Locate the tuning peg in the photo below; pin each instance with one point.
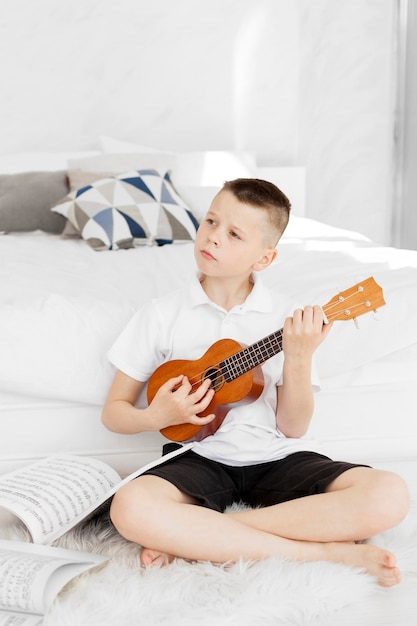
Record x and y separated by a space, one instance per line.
355 321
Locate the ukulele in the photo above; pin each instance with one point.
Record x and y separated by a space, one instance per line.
235 369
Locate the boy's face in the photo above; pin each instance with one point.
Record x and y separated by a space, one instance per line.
231 239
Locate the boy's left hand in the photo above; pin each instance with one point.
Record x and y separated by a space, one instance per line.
304 332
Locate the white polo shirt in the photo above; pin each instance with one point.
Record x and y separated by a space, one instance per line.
183 325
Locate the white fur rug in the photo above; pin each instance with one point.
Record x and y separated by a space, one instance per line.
271 592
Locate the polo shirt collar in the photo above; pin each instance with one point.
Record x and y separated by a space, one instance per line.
259 298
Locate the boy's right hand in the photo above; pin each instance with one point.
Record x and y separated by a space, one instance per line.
176 402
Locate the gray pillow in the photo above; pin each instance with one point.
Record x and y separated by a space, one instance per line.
26 200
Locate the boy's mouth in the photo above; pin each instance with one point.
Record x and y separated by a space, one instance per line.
206 254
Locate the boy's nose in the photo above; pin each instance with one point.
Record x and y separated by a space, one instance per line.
214 239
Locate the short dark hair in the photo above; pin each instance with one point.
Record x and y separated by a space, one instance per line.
266 195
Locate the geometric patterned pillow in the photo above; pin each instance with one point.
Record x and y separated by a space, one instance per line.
119 211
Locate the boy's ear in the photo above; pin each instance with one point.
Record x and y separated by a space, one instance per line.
269 256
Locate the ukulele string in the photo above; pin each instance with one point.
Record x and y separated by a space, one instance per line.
340 305
198 378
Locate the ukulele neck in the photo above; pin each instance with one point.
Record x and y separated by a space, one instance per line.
348 304
252 356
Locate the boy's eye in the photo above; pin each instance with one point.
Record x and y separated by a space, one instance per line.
233 234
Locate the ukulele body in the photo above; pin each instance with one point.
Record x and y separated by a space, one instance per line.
245 388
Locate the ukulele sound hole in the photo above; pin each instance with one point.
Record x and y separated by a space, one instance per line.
216 377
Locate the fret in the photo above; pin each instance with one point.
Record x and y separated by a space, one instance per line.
251 356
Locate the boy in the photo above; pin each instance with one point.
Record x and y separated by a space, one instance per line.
308 506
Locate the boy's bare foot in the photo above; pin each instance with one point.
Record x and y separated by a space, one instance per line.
374 560
154 558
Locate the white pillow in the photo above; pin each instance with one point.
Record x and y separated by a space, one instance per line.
204 167
198 198
212 168
188 168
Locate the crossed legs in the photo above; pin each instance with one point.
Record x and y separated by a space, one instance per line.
358 504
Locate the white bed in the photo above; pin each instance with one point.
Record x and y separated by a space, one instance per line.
63 303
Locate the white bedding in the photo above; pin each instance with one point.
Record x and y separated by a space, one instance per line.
62 305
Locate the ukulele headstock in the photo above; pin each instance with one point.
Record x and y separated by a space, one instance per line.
362 298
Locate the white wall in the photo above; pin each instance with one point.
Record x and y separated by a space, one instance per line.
299 82
347 91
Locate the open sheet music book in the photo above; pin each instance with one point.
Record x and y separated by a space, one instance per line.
50 497
54 494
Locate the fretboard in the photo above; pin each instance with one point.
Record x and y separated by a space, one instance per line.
251 356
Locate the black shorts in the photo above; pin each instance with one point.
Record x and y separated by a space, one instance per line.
217 486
